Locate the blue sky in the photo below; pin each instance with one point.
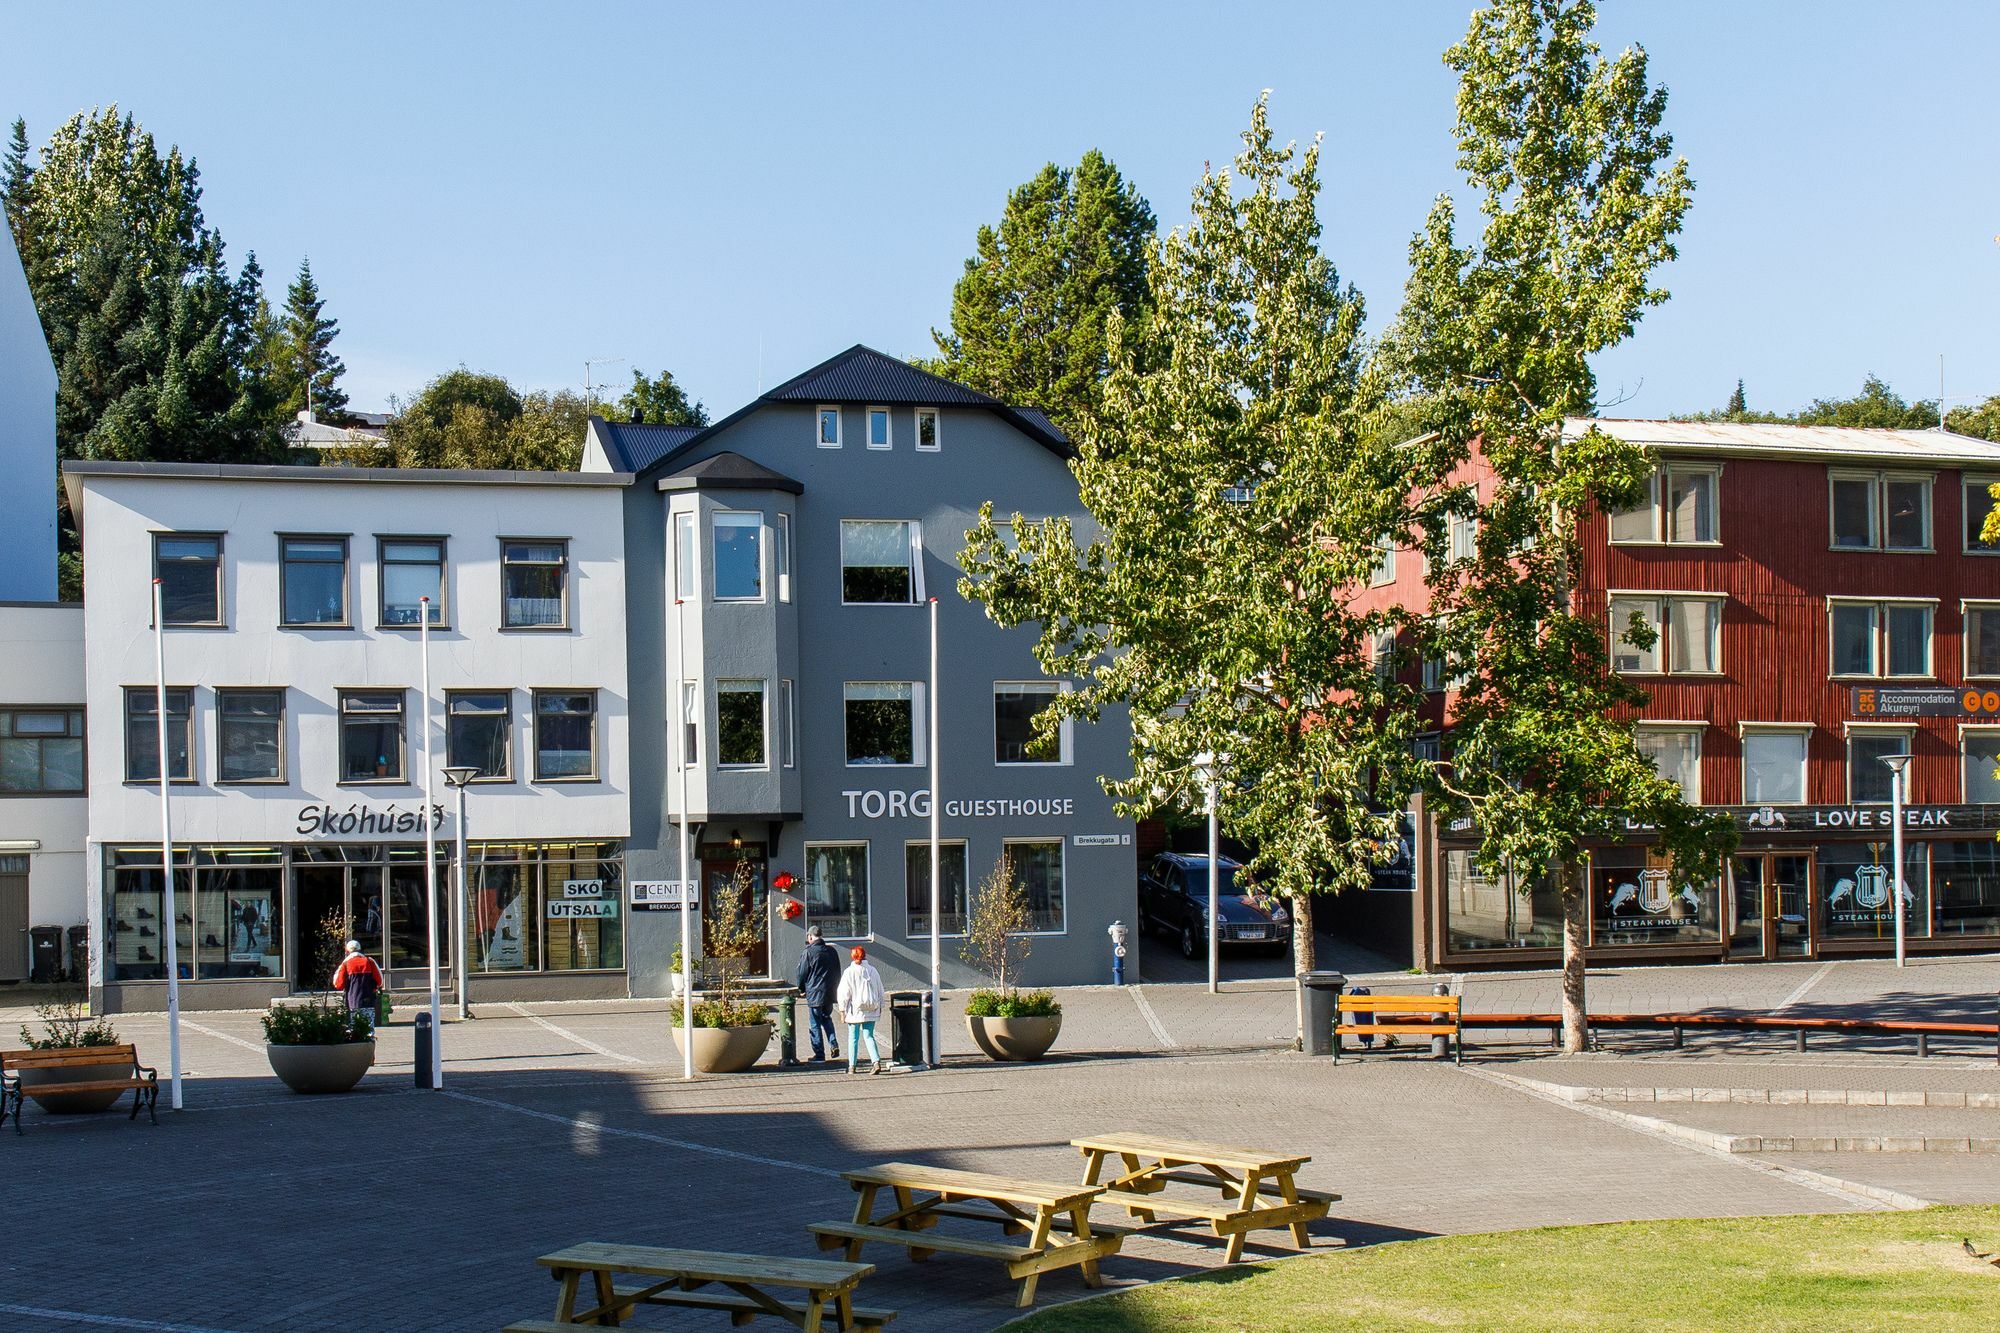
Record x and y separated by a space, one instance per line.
737 191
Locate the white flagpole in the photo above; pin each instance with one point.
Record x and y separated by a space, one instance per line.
430 854
930 1026
170 925
687 891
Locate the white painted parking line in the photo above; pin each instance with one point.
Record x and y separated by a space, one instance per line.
1152 1019
1804 986
575 1040
193 1026
107 1320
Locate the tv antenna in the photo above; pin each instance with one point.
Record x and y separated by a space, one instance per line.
590 389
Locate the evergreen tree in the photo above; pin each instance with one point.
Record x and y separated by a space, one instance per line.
308 373
16 174
1031 316
1738 404
660 401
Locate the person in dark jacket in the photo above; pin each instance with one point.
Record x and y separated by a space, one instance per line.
818 976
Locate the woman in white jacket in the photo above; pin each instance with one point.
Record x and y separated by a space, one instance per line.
860 999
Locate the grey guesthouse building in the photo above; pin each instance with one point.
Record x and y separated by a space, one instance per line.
779 565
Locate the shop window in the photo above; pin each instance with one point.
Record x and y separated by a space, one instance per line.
372 728
312 577
1880 511
1676 754
781 555
583 887
565 735
1636 899
41 751
837 889
534 584
412 568
409 914
1854 894
739 724
189 568
685 574
226 918
1015 708
1774 767
1680 508
142 735
1485 910
1982 639
930 432
1038 865
951 888
1980 748
1978 504
1880 639
829 427
884 722
880 562
879 430
1965 887
1869 779
503 912
479 733
1686 633
250 735
737 550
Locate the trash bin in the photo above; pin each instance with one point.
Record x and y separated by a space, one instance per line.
45 955
1319 1005
79 953
909 1010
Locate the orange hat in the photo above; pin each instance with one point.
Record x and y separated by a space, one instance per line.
858 954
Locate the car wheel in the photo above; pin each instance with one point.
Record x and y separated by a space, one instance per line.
1189 950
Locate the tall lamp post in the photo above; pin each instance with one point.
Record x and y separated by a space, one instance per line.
424 607
456 776
1899 765
1205 765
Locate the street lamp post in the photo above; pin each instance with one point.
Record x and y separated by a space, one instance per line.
1205 765
1899 765
424 606
456 776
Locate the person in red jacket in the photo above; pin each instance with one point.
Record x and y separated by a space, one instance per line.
358 978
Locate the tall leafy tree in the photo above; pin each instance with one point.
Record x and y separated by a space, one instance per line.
1580 198
1237 487
1032 313
659 400
468 419
307 371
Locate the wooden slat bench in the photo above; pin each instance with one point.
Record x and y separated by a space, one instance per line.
1799 1025
676 1274
84 1069
1401 1015
1245 1176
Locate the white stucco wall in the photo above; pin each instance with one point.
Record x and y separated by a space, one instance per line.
27 441
42 648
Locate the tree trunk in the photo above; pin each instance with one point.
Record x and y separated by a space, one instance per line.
1303 959
1575 923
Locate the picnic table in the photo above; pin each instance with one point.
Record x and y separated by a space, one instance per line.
673 1277
1054 1217
1248 1179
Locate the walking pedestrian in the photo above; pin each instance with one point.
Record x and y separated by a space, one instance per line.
818 977
358 979
860 1001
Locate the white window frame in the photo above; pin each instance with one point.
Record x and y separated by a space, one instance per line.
1879 658
868 880
919 727
1854 729
715 527
781 555
1967 538
1878 509
888 429
972 888
917 429
1384 571
1382 653
1965 609
1659 489
687 556
1803 730
788 722
1461 536
1662 649
915 528
763 693
1673 728
819 422
1052 688
1967 730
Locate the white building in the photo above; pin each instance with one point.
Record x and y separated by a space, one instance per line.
292 610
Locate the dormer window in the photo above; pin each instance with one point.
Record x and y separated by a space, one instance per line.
829 427
930 435
879 432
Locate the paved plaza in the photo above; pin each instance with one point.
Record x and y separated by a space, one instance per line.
399 1209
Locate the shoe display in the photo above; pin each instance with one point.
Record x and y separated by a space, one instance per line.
145 932
122 924
144 915
185 919
211 942
145 954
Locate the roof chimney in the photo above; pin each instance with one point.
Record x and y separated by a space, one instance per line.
638 416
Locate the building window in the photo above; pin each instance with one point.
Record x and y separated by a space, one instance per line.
690 721
1015 707
737 548
1880 511
535 584
371 735
879 562
684 570
1872 639
1774 766
930 435
884 722
1869 780
1382 653
1687 634
41 751
189 568
1038 866
1428 747
412 569
879 436
250 735
1978 504
565 735
837 889
829 427
479 733
1680 508
142 735
1676 754
788 725
1383 573
951 888
1461 536
1434 675
781 555
739 724
312 574
1982 638
1980 747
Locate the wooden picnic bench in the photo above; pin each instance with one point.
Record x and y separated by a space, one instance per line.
924 1194
674 1277
80 1069
1399 1015
1245 1176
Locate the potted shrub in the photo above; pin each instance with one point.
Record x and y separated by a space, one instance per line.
318 1046
677 979
730 1031
1005 1021
67 1024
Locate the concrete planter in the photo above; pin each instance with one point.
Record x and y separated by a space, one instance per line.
1014 1038
71 1103
316 1069
726 1050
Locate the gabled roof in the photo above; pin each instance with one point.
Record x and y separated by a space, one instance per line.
728 471
1725 439
636 446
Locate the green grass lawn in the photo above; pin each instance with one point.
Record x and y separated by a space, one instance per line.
1845 1271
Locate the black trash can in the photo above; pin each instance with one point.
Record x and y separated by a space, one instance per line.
79 953
1319 1003
909 1010
45 955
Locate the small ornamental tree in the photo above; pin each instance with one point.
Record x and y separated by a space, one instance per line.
997 943
733 924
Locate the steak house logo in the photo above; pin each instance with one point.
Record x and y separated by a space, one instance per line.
1653 894
324 821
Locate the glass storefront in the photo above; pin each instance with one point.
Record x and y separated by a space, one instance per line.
1635 900
1485 911
1965 888
228 913
1851 884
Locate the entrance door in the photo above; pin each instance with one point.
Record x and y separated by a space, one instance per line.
1771 894
14 961
718 878
320 909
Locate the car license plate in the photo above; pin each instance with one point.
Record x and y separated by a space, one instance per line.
1250 933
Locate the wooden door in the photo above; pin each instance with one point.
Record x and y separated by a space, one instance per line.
719 877
13 927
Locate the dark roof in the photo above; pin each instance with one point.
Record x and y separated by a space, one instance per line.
863 375
729 472
637 446
1039 420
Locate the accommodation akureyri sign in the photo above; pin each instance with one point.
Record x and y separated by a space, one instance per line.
917 805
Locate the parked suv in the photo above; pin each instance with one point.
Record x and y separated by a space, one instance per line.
1173 897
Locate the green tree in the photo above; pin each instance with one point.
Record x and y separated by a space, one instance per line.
306 369
1980 420
1031 316
660 401
1238 489
1739 406
467 419
16 173
1876 406
1565 152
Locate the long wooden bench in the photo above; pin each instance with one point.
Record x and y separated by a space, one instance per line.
1799 1025
82 1069
1412 1015
1245 1177
673 1276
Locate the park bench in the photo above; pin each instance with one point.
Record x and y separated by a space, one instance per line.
922 1195
78 1069
674 1278
1244 1176
1924 1030
1399 1015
